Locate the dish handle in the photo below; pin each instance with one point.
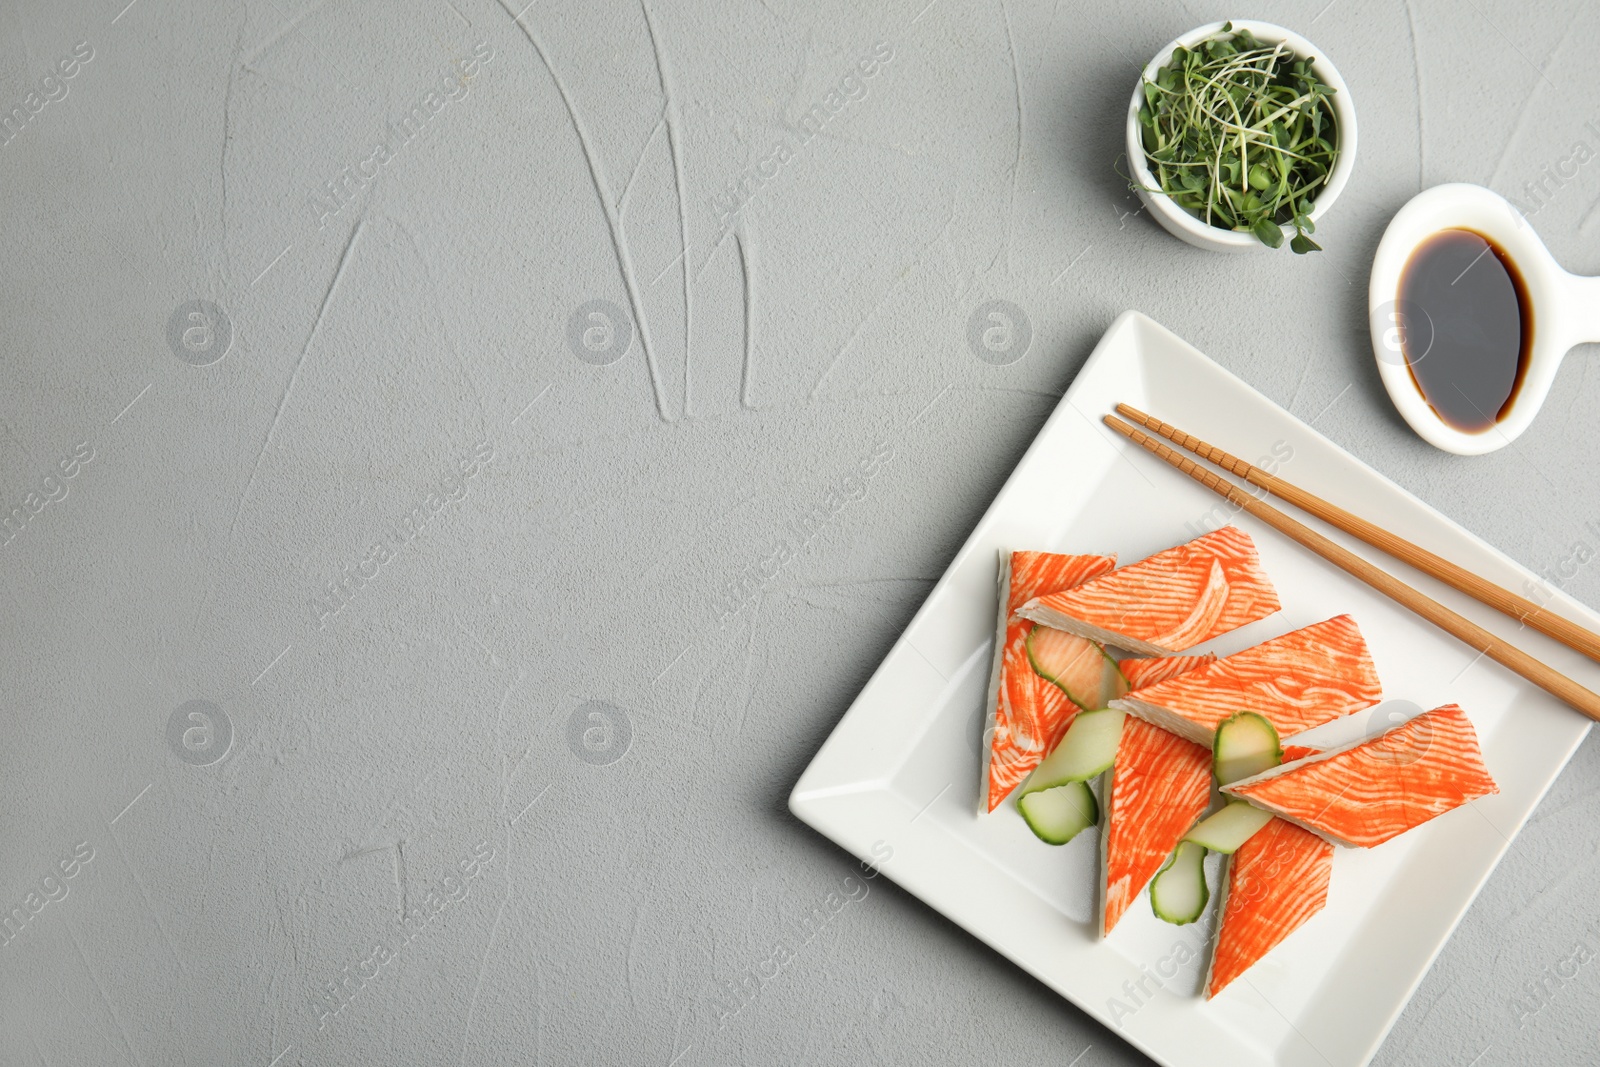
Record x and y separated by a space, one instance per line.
1583 307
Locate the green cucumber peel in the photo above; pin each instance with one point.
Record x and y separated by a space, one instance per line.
1088 749
1058 815
1043 645
1116 683
1230 826
1178 892
1246 744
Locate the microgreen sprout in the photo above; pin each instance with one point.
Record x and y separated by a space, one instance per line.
1241 134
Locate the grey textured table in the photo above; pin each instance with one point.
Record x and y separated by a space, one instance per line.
358 388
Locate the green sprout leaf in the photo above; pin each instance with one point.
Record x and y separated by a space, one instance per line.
1268 233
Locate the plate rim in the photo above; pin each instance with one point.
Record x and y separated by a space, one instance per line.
815 795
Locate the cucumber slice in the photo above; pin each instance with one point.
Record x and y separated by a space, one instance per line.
1089 747
1057 815
1113 683
1229 827
1246 744
1178 893
1052 653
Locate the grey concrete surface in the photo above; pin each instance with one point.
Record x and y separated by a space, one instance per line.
449 552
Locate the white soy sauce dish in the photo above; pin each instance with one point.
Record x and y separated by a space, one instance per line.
1471 317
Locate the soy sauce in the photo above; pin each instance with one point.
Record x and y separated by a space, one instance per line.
1469 327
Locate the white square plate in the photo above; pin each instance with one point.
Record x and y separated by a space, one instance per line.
900 772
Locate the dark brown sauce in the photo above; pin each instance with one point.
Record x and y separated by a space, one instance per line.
1469 327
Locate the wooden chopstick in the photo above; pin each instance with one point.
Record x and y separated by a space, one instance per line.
1508 656
1457 577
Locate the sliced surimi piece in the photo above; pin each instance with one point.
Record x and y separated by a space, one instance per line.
1167 602
1027 714
1366 793
1142 672
1302 679
1159 786
1275 882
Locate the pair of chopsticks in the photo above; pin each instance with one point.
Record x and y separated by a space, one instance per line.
1520 608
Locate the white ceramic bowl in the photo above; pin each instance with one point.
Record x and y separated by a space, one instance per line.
1566 309
1197 232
